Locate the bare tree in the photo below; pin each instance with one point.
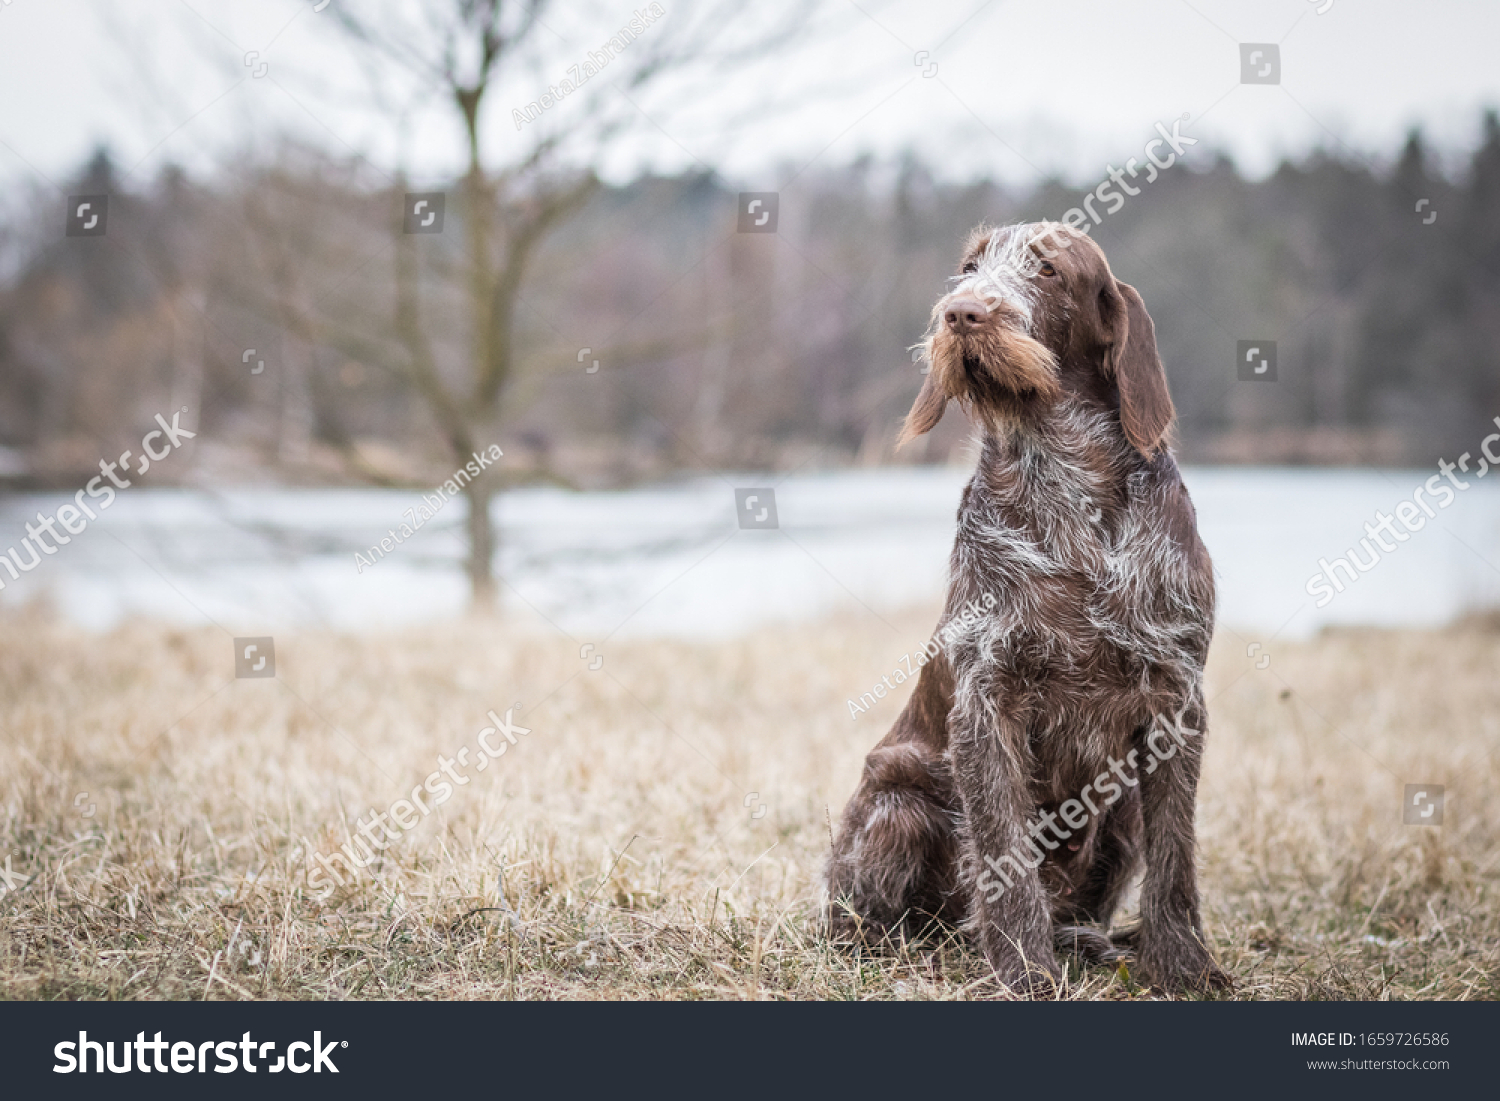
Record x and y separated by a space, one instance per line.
461 51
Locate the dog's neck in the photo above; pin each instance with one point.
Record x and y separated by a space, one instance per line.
1067 433
1071 459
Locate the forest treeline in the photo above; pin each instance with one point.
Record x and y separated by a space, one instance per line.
275 301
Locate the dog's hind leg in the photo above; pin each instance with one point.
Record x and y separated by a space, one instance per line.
893 861
1087 943
1117 857
893 865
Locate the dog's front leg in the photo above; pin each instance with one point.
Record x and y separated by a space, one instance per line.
1009 911
1173 952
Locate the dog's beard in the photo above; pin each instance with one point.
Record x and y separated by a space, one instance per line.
998 374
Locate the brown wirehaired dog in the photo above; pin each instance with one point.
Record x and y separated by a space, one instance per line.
1055 738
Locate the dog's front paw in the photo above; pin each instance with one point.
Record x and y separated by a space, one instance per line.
1030 973
1215 979
1191 972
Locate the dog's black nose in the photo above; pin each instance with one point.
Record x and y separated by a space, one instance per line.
964 314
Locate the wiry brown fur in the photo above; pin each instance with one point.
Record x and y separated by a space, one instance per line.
1077 524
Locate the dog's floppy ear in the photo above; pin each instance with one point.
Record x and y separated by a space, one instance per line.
1131 358
926 411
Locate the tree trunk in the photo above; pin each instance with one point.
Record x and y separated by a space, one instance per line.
482 545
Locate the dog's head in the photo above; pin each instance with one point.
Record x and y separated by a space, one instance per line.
1034 317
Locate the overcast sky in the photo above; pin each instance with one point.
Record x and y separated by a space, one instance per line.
1010 88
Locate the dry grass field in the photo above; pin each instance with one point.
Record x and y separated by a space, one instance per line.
659 832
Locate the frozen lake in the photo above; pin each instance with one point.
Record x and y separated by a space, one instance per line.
672 560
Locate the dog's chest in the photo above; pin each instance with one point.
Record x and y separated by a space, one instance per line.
1086 576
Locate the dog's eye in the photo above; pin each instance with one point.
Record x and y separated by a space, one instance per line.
970 267
1047 268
